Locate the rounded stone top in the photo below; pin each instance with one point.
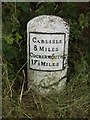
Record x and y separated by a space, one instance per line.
48 24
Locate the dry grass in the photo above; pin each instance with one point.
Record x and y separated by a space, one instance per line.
73 102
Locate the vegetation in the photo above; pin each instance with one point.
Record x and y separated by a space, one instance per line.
73 102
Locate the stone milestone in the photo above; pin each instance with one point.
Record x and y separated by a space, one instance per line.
47 52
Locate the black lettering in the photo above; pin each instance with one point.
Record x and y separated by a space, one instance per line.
35 47
47 41
50 41
34 39
49 57
56 49
57 64
56 41
49 49
38 41
39 56
45 56
41 48
53 49
60 41
31 54
50 64
46 64
53 41
53 64
32 61
38 62
42 41
42 63
45 49
35 61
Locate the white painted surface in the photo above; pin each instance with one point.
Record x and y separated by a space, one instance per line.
46 51
47 36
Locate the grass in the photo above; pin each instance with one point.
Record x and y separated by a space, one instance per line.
73 102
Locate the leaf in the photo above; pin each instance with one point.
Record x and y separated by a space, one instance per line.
9 51
9 39
84 20
81 20
18 37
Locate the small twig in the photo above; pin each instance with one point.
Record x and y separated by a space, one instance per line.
34 98
41 104
27 91
9 112
7 80
55 8
28 116
16 77
20 99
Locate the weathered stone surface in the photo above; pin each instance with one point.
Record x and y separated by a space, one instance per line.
47 52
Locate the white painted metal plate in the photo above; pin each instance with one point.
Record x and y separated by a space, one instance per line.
46 51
